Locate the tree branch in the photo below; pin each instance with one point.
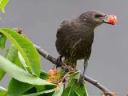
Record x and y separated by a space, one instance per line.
47 56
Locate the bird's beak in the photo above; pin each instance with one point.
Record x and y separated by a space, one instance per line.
110 19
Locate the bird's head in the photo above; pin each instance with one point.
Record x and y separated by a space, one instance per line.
95 18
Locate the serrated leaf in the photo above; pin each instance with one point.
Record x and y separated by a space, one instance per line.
3 4
26 48
59 90
17 88
20 74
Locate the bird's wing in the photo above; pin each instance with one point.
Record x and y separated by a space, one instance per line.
66 37
75 47
64 29
67 28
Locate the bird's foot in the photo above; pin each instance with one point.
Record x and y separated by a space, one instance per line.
82 75
59 61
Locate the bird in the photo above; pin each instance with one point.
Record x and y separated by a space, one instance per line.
74 38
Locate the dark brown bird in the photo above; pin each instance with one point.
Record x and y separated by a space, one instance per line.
75 37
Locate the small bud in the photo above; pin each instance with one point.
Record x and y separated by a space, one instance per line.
52 72
54 75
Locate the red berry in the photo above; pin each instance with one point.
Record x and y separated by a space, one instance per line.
112 19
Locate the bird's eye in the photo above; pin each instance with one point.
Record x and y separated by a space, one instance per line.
98 16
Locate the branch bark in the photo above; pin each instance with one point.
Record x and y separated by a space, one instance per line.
47 56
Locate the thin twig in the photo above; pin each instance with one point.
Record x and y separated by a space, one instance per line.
105 90
47 56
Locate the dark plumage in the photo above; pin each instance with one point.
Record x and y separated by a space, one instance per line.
75 37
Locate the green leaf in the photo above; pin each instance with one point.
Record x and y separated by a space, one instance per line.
16 88
80 88
41 93
3 91
69 90
3 4
2 73
20 74
21 59
10 55
2 88
44 75
75 87
46 87
2 41
26 48
30 91
59 90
